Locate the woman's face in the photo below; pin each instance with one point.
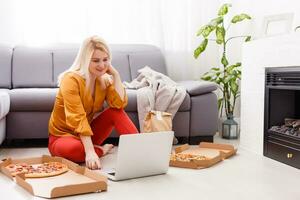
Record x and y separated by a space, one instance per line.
99 63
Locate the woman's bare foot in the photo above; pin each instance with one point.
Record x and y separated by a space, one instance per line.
105 148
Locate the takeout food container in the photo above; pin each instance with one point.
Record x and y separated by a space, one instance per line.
77 180
213 153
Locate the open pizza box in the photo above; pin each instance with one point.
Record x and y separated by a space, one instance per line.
77 180
213 153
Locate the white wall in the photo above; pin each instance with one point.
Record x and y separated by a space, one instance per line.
196 13
258 10
7 33
200 13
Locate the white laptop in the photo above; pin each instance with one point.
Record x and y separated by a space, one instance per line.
143 154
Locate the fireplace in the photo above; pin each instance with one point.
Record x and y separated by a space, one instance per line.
282 115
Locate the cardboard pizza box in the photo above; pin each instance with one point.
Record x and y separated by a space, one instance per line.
227 150
213 152
77 180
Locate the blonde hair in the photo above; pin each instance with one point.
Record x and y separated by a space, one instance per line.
84 55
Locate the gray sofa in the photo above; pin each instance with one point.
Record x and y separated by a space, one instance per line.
29 76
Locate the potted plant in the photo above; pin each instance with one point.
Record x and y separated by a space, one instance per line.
227 76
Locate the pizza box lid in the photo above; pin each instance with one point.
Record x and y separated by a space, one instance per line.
227 150
78 180
214 152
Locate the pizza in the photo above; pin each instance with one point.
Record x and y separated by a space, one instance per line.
184 157
37 170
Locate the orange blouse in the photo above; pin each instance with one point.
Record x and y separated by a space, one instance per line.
75 107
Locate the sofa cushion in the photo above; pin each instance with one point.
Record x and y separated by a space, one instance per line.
32 99
42 99
62 60
121 63
5 66
195 88
132 102
32 67
153 59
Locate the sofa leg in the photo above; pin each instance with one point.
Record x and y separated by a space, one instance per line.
195 140
6 143
182 140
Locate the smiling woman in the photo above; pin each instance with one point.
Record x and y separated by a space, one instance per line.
74 133
99 63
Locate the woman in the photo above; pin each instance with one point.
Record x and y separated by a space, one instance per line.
74 131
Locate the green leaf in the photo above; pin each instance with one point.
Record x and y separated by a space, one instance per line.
219 80
248 38
205 30
215 22
206 73
220 103
199 32
200 48
239 18
226 80
206 78
215 69
230 68
220 33
224 60
234 87
224 9
233 67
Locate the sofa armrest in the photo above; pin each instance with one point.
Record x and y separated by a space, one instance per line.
195 88
4 104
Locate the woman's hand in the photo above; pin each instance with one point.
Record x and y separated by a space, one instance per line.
106 80
111 70
92 160
116 81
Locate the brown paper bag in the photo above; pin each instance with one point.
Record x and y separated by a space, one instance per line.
157 121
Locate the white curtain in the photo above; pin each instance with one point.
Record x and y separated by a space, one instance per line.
169 24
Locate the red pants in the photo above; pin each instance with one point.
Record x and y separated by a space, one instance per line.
72 148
